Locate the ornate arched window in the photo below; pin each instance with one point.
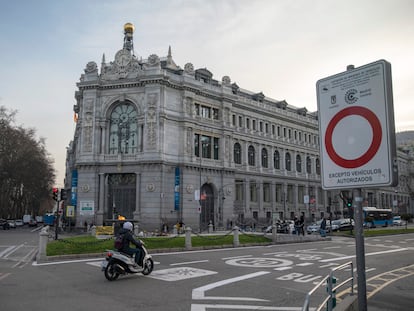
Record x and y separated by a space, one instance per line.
124 133
276 160
308 165
288 162
298 163
237 153
264 158
251 156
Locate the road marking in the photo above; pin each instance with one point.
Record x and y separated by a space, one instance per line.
199 292
282 268
3 276
305 264
178 274
237 257
10 248
368 254
187 263
259 262
201 307
35 263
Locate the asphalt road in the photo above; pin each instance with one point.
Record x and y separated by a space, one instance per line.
275 277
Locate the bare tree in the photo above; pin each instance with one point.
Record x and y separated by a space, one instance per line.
26 169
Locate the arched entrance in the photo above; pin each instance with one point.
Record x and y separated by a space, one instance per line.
121 195
207 207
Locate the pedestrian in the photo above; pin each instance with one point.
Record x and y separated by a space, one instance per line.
302 225
322 229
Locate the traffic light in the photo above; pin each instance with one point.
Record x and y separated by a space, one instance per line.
55 192
350 208
63 195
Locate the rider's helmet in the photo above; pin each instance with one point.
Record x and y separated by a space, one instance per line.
128 226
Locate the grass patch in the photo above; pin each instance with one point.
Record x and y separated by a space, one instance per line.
90 244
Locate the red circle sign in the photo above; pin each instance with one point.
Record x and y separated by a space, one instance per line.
376 137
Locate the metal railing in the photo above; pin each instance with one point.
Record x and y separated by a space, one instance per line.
330 283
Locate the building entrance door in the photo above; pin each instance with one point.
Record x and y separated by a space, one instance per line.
207 207
121 195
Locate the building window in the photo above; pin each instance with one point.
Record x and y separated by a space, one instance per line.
301 194
251 156
208 145
215 114
278 193
248 123
288 162
264 158
278 131
253 192
298 164
233 120
124 132
240 121
206 112
318 167
276 160
273 129
254 125
239 186
261 126
237 153
290 196
308 165
266 192
266 128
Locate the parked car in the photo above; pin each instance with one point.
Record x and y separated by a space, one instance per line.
397 221
12 223
19 223
313 228
343 224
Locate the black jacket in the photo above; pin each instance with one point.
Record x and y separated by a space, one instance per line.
128 238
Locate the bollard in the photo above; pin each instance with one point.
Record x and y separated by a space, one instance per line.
210 227
43 238
236 241
188 244
93 230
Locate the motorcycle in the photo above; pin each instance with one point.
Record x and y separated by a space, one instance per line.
117 263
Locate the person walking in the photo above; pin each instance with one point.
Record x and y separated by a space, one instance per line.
322 229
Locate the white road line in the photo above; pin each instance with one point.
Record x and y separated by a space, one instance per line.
186 263
3 276
7 250
199 293
368 254
282 268
236 257
305 264
200 307
35 263
15 249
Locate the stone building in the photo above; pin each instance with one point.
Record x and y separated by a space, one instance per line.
159 144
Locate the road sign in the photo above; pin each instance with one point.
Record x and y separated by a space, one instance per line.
356 127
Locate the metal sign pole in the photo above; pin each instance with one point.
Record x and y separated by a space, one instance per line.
360 249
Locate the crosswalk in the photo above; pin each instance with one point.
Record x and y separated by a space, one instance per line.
19 255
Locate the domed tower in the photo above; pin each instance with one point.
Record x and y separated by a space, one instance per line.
128 37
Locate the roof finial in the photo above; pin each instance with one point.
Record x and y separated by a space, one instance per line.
128 37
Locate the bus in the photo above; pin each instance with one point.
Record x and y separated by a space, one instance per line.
374 217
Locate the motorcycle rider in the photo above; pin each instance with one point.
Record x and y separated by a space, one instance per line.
128 238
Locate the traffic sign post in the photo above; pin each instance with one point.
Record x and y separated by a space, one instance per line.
356 127
357 147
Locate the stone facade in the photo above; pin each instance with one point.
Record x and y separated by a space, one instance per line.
159 144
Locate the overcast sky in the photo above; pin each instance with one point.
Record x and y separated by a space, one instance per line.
278 47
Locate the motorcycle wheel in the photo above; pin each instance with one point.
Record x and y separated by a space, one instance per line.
110 272
148 266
